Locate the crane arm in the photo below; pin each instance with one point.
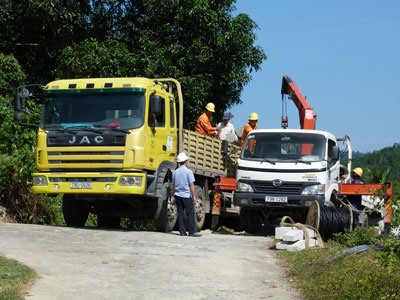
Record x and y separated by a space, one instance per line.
306 112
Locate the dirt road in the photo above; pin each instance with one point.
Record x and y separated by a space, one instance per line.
115 264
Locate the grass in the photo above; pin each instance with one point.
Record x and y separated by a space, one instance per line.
15 279
355 276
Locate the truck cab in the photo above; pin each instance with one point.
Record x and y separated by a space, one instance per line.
108 145
281 172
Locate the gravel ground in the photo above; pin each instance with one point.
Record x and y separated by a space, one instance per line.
80 263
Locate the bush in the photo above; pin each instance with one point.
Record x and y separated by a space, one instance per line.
17 152
353 276
359 236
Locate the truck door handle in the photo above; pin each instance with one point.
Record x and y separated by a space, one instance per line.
164 148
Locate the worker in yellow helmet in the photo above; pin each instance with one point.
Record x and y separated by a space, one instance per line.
356 200
204 122
251 125
356 175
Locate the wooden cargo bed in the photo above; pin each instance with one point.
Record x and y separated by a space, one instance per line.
206 157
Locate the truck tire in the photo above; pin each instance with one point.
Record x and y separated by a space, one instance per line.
249 220
75 211
199 209
166 212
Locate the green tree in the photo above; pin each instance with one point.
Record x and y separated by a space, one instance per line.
386 158
93 58
199 42
17 150
377 175
35 31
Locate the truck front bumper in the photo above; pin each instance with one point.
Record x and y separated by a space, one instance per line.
258 200
89 183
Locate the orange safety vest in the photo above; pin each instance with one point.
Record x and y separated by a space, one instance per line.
204 125
246 129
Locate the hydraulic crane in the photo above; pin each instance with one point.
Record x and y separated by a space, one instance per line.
306 112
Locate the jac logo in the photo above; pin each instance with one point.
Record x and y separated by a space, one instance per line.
85 140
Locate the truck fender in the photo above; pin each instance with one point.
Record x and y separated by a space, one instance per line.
332 191
162 174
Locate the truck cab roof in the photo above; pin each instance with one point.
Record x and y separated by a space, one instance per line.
99 83
300 131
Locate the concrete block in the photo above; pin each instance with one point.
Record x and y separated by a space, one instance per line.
311 233
300 245
282 245
293 235
297 234
280 231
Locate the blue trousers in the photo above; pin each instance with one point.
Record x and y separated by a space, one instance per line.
356 202
185 204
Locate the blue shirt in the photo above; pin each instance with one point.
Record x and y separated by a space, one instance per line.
181 179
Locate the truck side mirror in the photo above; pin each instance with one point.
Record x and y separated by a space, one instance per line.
155 105
24 93
335 153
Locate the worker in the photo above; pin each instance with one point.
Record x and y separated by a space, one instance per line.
251 125
204 122
355 200
184 194
227 130
356 175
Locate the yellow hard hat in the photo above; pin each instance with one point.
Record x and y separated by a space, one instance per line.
358 171
253 116
210 107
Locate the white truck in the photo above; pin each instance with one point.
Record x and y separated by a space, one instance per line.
282 172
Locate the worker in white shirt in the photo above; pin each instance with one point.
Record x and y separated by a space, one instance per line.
227 129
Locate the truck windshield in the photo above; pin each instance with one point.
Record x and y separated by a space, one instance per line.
97 110
284 147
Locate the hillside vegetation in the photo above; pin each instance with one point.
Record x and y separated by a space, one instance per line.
386 158
381 165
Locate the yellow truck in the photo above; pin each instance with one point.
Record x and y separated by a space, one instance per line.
109 146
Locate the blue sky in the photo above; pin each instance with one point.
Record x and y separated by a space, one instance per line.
343 55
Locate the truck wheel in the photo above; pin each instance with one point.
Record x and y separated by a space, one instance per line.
250 221
75 211
166 212
199 209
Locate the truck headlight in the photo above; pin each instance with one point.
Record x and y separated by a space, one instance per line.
130 181
39 180
318 189
244 187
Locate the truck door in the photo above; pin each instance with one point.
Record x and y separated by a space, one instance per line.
333 166
161 142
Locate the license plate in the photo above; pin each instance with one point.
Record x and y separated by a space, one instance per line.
275 199
81 185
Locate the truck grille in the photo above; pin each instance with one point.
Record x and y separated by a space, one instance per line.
80 179
85 159
286 188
